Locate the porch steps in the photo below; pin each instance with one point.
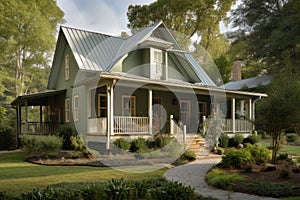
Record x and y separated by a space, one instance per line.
98 146
195 144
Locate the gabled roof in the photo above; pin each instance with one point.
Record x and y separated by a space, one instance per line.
99 52
248 83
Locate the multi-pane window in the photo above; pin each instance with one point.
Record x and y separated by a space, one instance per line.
185 111
76 108
157 70
67 110
128 106
67 67
102 105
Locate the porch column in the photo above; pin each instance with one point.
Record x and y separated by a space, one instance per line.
41 113
26 116
112 110
250 109
108 117
253 115
233 114
150 109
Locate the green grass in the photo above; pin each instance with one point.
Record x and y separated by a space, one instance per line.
18 176
289 149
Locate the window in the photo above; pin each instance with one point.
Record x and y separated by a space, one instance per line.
76 108
67 110
67 67
157 67
185 111
202 110
128 105
102 105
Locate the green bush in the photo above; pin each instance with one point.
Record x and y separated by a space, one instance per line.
162 140
291 137
118 189
7 138
252 139
41 146
122 144
238 139
236 157
78 145
224 140
220 179
296 169
284 173
260 154
138 145
188 155
271 189
66 132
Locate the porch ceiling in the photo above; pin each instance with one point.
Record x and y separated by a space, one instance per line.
37 98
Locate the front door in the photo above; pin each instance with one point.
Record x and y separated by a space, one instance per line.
156 118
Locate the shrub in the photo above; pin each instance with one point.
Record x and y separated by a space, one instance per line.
43 146
296 169
138 145
188 155
66 132
78 145
271 189
122 144
238 139
261 155
284 173
224 140
162 140
7 138
219 150
117 189
236 157
220 179
231 142
252 139
291 137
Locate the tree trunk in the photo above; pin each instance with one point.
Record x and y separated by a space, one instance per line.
275 145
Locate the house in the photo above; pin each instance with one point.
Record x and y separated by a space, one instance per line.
109 87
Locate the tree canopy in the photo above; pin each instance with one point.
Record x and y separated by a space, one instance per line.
27 39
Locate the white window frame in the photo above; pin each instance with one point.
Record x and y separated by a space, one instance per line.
100 107
76 108
132 110
186 113
67 67
157 70
67 110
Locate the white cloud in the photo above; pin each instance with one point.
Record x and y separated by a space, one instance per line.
105 16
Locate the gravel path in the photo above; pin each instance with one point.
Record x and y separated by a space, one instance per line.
193 174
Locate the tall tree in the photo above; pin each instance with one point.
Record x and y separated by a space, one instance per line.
27 39
270 29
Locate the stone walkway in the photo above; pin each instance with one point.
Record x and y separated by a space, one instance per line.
193 174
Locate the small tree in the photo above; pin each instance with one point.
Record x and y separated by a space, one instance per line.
280 110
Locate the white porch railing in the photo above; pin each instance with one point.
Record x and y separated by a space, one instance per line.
241 126
98 126
177 131
131 125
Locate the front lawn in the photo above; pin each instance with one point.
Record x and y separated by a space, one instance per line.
18 176
289 149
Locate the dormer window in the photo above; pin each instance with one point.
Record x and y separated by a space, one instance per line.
158 64
67 67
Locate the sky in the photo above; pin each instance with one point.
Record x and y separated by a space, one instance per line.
104 16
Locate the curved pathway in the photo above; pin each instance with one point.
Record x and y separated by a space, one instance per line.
193 174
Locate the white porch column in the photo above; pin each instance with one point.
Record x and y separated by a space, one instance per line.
150 110
233 114
108 116
250 110
26 117
112 110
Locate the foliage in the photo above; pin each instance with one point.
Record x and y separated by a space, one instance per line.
238 139
261 155
271 189
284 173
224 65
66 132
7 138
115 190
279 111
162 140
138 145
224 139
252 139
220 179
219 150
188 155
78 145
27 32
236 157
292 137
122 144
43 146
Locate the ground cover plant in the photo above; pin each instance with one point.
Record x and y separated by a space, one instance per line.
18 176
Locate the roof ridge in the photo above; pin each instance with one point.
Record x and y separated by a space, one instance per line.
89 31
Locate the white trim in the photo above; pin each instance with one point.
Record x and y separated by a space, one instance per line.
76 108
67 109
99 107
67 67
131 109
